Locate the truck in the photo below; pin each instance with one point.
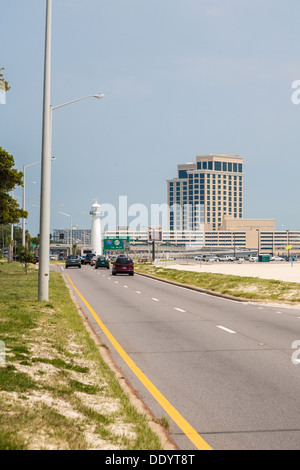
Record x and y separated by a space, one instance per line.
227 258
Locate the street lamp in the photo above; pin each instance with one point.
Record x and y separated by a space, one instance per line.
98 96
23 196
71 228
24 181
43 290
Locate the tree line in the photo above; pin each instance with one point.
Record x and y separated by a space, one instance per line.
10 211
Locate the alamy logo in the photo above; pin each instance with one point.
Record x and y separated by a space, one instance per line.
2 353
296 354
296 94
2 92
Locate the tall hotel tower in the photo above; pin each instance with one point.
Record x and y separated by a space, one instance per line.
208 190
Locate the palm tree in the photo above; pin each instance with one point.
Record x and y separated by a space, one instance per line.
27 239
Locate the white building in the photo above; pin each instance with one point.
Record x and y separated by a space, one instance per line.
96 235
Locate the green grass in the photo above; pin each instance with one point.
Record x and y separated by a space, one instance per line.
242 287
55 388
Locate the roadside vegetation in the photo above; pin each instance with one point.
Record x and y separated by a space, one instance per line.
56 390
242 287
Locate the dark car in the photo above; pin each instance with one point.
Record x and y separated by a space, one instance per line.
123 265
36 259
88 258
73 260
102 262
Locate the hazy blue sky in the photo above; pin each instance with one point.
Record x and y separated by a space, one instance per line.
181 78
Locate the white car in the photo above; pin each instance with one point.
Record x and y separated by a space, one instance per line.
277 258
252 259
93 260
212 259
226 258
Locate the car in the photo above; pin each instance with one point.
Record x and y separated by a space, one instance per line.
73 260
277 258
123 265
198 258
252 259
102 262
36 259
212 259
88 258
227 258
93 260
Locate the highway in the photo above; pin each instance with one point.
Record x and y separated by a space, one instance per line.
225 366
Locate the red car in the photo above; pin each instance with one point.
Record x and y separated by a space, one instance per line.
123 265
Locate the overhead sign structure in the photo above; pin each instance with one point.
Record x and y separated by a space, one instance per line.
2 92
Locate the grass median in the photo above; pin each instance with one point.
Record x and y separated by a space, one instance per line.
248 288
56 390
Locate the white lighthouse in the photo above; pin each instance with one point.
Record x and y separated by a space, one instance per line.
96 235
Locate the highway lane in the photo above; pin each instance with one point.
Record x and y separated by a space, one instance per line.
225 366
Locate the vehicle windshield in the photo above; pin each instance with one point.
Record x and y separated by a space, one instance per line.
124 260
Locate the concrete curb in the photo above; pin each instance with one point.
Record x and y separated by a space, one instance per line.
198 289
218 294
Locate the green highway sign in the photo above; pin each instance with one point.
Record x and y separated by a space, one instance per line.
116 243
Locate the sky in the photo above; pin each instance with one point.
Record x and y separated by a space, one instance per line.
181 78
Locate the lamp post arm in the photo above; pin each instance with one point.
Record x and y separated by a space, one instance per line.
31 164
100 96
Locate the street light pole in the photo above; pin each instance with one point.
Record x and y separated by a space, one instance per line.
23 197
71 229
43 289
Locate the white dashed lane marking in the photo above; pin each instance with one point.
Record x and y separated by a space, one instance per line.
226 329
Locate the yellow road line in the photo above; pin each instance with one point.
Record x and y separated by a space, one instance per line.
188 430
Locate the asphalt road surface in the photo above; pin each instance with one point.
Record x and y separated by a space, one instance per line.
225 366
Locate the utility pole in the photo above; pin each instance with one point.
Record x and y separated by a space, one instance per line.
153 251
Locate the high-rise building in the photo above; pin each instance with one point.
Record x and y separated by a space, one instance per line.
206 191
